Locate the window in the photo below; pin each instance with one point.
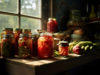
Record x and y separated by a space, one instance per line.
25 14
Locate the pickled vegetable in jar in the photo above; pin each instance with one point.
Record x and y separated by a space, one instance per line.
23 46
63 48
16 37
7 46
45 46
52 25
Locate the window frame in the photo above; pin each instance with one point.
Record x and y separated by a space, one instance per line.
19 15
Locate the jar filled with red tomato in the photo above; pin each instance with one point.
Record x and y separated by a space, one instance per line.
16 37
23 46
7 46
52 25
45 46
63 48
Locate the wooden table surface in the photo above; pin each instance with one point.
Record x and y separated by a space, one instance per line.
48 66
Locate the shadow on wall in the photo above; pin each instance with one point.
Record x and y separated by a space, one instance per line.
61 10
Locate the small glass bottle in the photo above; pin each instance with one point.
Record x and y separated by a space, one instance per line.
63 48
23 46
92 15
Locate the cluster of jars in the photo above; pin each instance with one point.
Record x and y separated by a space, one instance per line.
23 44
18 43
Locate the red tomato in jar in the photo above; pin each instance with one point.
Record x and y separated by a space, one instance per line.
52 25
45 47
63 51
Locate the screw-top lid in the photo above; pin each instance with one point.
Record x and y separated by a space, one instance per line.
54 18
18 29
24 35
29 30
7 36
7 29
46 33
63 43
50 19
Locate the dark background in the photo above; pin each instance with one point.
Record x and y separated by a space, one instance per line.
62 8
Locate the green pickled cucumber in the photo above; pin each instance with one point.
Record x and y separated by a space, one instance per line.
91 47
82 47
86 48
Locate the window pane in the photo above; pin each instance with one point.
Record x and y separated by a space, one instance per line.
7 21
29 23
9 6
31 7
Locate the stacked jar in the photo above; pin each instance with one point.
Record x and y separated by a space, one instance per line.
52 25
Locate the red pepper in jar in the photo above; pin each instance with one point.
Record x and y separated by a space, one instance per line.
45 46
63 48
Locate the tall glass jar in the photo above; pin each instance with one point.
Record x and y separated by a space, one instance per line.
45 46
23 46
7 46
16 38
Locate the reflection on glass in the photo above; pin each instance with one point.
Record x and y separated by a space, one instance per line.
7 21
9 6
31 7
29 23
